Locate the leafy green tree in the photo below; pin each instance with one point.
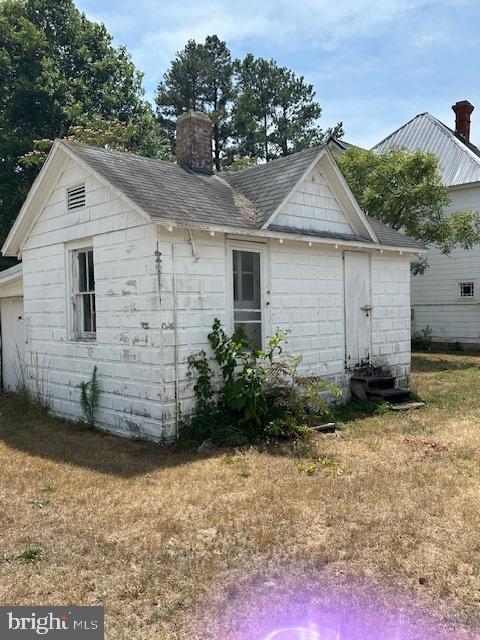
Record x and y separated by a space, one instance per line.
110 134
404 190
200 79
57 70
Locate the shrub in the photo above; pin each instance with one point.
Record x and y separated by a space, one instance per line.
422 340
30 555
261 397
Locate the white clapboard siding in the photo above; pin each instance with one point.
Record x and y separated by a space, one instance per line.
435 294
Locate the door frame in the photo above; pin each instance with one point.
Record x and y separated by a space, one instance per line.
370 332
254 247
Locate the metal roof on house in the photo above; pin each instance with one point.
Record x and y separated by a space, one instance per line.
459 160
245 199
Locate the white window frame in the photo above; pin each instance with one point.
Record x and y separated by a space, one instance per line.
460 283
254 247
75 314
69 188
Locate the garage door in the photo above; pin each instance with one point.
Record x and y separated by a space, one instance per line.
13 342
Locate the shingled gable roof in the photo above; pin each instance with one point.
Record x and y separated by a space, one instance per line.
245 200
267 185
459 160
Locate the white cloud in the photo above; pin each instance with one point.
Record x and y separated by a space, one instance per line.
154 30
374 63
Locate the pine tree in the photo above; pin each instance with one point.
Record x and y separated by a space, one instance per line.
200 78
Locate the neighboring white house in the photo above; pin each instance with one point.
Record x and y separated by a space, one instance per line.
128 260
447 296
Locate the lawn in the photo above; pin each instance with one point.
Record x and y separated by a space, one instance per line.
220 546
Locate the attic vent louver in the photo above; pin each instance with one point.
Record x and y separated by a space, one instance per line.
76 197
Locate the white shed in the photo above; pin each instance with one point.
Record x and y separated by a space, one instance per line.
127 261
12 331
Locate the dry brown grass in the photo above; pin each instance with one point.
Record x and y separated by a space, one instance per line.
190 546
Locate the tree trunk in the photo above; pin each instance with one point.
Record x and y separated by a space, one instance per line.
265 133
216 147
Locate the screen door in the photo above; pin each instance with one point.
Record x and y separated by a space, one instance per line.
247 295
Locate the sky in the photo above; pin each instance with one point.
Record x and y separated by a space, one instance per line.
374 63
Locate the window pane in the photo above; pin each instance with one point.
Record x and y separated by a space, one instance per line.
87 314
82 272
247 316
467 289
94 313
247 261
246 279
236 288
247 287
253 333
91 273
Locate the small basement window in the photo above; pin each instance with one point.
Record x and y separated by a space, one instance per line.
466 289
84 307
76 197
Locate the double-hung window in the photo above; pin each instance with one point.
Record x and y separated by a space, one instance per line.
84 308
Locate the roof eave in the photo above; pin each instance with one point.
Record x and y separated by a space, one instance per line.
20 229
70 152
11 275
267 233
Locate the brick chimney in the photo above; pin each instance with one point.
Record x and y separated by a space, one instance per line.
194 142
463 111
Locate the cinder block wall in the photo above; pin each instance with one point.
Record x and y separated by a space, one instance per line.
137 326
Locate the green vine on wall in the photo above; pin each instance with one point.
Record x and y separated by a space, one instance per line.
89 394
262 393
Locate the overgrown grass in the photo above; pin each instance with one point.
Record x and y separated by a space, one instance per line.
199 546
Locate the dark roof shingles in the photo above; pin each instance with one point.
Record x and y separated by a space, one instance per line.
244 199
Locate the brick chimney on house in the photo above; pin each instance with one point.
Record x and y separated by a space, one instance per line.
194 142
463 111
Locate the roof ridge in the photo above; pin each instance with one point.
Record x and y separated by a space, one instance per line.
445 129
453 136
264 165
130 154
390 135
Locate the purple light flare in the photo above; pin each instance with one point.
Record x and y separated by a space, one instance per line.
361 614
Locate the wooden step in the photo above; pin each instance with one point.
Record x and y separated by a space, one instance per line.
407 406
389 395
375 380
